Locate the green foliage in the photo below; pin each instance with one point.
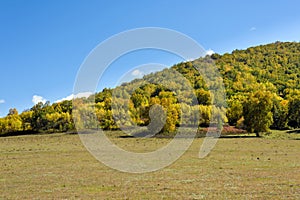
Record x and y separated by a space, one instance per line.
294 111
280 114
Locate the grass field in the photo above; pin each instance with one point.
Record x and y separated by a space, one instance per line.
57 166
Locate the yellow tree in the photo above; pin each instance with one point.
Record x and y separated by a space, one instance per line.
257 112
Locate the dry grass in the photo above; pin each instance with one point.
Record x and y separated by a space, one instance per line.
57 166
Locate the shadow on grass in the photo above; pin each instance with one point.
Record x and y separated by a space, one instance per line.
294 131
126 136
18 133
239 136
166 135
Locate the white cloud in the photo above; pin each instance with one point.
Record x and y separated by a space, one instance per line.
72 96
37 99
137 73
253 29
83 94
210 52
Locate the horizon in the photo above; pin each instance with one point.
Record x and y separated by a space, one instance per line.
45 43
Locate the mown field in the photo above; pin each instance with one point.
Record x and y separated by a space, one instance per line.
57 166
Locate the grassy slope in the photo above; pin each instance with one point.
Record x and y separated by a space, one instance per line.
57 166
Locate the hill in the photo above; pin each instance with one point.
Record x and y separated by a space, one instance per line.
261 85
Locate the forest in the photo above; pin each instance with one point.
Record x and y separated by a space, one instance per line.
261 85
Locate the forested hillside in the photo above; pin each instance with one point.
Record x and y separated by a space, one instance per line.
262 92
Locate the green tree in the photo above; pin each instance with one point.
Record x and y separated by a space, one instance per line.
294 112
280 114
39 121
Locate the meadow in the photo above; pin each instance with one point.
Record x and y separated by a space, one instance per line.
57 166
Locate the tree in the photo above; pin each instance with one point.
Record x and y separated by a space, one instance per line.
203 97
13 111
58 122
12 122
3 124
294 112
257 112
205 115
158 119
39 121
280 114
172 118
235 110
26 118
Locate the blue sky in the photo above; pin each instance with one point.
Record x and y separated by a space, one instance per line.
43 43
